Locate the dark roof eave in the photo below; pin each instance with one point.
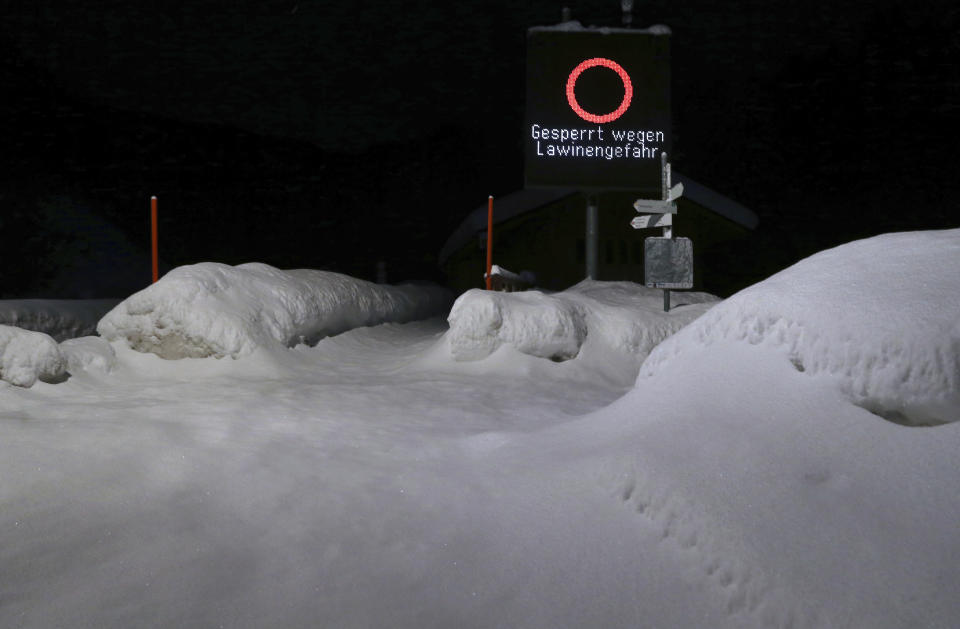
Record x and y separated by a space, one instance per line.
529 199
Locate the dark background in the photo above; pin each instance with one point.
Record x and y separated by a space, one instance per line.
334 135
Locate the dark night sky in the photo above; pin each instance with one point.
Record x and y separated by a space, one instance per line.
328 135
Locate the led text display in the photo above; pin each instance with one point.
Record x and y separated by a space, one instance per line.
598 108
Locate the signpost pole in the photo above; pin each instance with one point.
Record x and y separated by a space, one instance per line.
592 236
668 230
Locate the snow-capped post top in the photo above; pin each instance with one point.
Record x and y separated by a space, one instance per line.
598 107
489 274
627 7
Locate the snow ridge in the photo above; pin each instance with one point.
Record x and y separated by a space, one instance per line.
27 356
622 317
213 309
88 353
893 350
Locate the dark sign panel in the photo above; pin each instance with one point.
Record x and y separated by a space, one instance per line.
598 108
668 263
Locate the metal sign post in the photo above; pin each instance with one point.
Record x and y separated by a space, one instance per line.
668 261
667 229
592 236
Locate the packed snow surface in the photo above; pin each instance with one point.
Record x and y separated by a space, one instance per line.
375 480
212 309
27 356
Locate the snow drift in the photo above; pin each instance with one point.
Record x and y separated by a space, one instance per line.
622 317
212 309
27 356
881 317
88 353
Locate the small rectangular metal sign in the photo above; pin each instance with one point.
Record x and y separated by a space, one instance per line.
651 206
651 220
668 263
655 207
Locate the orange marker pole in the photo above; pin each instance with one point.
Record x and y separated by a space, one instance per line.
153 238
489 242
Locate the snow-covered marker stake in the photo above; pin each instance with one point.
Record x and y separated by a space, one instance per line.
489 242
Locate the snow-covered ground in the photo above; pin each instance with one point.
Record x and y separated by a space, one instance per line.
787 459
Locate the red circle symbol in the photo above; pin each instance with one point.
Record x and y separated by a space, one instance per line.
606 63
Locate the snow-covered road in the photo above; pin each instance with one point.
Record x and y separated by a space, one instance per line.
303 486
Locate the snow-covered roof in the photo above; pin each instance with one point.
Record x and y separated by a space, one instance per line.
529 199
576 25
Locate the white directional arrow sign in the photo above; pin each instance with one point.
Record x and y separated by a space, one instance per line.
660 206
675 192
649 206
651 220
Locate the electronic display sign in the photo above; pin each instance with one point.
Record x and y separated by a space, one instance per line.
598 108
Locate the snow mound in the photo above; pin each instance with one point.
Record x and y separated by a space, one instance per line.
27 356
880 316
60 318
88 353
623 317
532 322
213 309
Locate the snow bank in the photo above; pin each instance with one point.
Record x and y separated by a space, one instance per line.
881 317
212 309
533 322
622 317
88 353
27 356
60 318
